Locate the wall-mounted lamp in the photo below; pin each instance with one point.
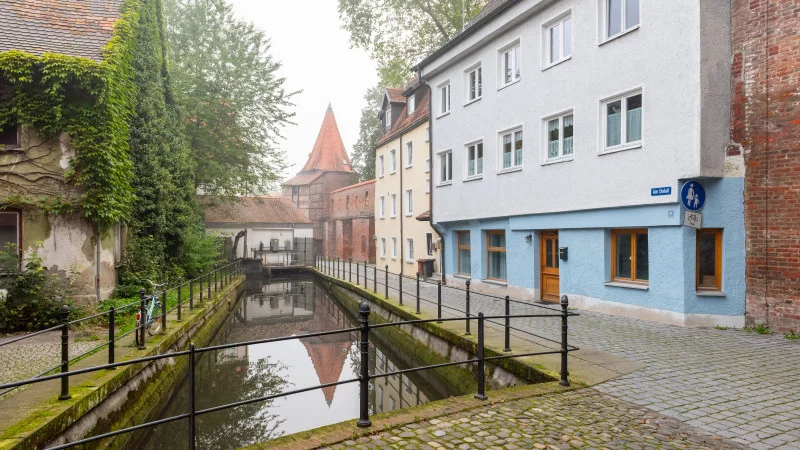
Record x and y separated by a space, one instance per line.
529 238
563 253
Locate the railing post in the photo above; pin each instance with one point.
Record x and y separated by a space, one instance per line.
564 305
363 420
191 295
180 285
112 318
201 285
208 287
508 325
216 271
375 278
418 293
142 318
400 286
366 278
358 274
163 311
481 395
191 397
439 301
468 283
65 354
338 268
386 276
350 270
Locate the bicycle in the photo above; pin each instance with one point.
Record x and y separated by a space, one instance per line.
152 318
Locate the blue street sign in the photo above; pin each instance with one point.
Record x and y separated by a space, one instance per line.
654 192
693 195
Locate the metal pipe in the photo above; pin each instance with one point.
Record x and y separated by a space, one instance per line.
65 354
418 293
363 420
468 283
564 347
142 317
439 300
481 395
111 331
508 325
163 311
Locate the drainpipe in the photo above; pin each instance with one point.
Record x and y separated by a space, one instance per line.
97 261
401 213
434 225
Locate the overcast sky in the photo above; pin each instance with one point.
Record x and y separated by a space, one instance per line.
316 58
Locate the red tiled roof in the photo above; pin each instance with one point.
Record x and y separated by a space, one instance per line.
328 154
395 95
352 186
277 210
68 27
404 121
303 179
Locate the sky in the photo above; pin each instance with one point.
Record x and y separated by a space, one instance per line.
316 57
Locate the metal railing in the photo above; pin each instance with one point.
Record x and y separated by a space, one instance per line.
363 379
219 277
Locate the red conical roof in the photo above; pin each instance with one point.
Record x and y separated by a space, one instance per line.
328 154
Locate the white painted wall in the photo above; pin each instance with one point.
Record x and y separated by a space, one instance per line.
257 235
662 57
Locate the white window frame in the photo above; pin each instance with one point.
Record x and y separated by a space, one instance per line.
427 184
546 40
409 202
409 154
502 134
623 125
394 206
410 250
604 36
383 248
381 166
411 104
546 159
427 134
427 165
394 248
478 71
387 118
443 86
382 208
392 161
443 158
477 175
516 62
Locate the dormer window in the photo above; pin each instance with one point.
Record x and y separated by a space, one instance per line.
387 118
9 137
412 104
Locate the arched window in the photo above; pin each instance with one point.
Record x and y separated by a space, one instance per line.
366 198
355 205
347 202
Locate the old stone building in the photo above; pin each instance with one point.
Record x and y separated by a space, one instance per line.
765 131
327 169
350 230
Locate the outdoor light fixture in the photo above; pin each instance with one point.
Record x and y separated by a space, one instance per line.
529 238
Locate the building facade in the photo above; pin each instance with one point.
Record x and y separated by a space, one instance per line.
402 183
548 181
765 132
350 229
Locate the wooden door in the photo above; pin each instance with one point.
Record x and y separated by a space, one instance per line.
549 266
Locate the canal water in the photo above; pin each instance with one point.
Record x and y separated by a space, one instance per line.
285 307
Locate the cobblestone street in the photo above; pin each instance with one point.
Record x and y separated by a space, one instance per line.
30 357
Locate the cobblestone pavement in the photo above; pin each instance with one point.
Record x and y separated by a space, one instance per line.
739 385
581 418
30 357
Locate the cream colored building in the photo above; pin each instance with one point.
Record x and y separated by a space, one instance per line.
404 236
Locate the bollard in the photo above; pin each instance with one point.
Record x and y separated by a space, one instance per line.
400 286
481 395
112 317
564 304
386 275
142 317
417 292
358 274
508 325
201 285
468 282
439 301
363 420
180 280
65 354
191 295
191 397
350 270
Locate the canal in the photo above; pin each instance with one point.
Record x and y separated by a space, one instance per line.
283 307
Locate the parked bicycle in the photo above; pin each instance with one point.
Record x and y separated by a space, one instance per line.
152 318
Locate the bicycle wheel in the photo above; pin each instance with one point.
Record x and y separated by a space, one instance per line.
154 326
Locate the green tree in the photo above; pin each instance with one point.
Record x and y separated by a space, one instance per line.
369 132
399 33
233 102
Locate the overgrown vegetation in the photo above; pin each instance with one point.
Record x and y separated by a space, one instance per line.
368 134
760 329
792 336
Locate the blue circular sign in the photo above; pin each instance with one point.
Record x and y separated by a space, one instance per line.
693 195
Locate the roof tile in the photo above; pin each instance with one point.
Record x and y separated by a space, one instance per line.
404 121
276 210
328 153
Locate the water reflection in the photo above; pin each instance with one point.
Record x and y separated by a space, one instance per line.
283 308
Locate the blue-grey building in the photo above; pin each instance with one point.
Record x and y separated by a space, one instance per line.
562 135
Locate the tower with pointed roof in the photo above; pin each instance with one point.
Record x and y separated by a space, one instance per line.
327 169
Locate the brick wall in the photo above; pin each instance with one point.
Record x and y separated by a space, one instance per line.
351 224
765 125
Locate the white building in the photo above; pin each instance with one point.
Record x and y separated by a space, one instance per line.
574 125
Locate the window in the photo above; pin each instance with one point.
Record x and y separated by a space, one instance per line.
464 264
409 203
409 154
383 247
475 159
444 98
296 195
511 143
382 209
496 255
394 205
9 230
366 198
630 258
347 202
709 260
392 161
474 84
429 243
409 249
387 118
622 119
10 137
427 165
394 248
380 166
510 65
411 104
559 40
427 134
446 161
427 184
559 137
620 16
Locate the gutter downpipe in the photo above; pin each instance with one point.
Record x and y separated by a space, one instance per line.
401 214
434 225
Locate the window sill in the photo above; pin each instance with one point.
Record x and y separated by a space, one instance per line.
411 261
558 160
469 102
381 218
621 148
462 276
510 170
394 259
710 294
442 115
473 178
444 183
509 84
619 284
392 172
551 65
497 282
619 35
409 214
408 167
